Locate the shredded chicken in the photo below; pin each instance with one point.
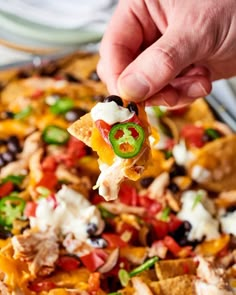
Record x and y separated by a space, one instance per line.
140 286
158 186
119 208
109 180
40 250
211 279
172 201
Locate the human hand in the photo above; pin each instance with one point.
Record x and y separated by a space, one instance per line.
168 52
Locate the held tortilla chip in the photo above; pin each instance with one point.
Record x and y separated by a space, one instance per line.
113 168
214 166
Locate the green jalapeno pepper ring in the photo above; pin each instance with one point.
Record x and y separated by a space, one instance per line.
126 139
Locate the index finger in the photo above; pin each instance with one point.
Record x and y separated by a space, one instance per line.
122 41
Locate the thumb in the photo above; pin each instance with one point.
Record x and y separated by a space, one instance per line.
155 67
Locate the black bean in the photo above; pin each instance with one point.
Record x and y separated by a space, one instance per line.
177 170
5 234
132 107
89 150
3 141
231 208
181 233
98 242
8 156
91 228
74 114
206 138
114 98
71 78
146 181
94 76
173 187
23 74
13 144
6 115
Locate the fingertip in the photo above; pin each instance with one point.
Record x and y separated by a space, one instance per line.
133 87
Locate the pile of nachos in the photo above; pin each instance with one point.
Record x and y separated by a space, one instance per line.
101 196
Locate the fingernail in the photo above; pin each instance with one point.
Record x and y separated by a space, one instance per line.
196 90
133 86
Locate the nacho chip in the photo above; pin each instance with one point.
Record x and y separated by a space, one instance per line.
217 159
174 286
166 269
198 111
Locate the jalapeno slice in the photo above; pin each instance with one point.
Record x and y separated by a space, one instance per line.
55 135
126 139
11 207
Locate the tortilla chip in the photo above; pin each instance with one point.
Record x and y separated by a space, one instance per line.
166 269
180 285
218 157
198 111
82 129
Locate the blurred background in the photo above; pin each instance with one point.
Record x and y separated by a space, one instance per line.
35 28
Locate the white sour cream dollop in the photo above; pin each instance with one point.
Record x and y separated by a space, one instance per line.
71 215
202 222
110 112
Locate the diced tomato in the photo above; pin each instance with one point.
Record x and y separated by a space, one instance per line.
41 285
49 164
104 129
152 206
97 199
37 94
101 253
114 240
68 263
121 263
93 260
128 195
160 228
48 180
128 228
94 282
6 188
172 245
169 144
76 149
174 223
193 135
30 209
